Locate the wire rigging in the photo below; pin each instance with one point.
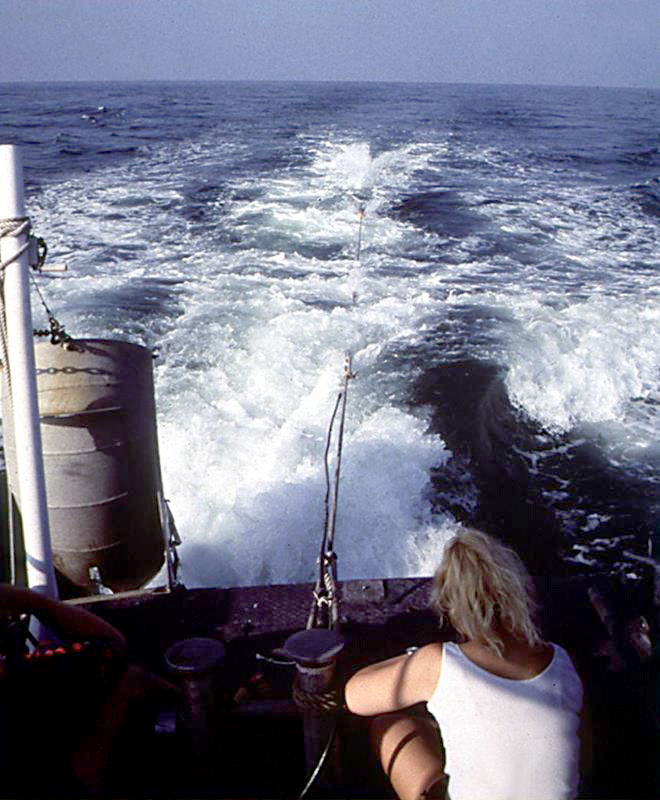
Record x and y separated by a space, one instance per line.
325 610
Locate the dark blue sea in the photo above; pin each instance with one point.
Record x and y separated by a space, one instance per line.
500 299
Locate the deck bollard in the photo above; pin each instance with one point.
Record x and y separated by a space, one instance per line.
315 652
195 663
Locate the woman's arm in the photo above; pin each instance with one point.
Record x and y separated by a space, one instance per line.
396 683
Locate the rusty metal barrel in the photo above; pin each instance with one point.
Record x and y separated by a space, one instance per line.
103 483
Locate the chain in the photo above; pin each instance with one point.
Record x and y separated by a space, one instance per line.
56 331
38 250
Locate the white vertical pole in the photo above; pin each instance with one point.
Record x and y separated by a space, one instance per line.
20 349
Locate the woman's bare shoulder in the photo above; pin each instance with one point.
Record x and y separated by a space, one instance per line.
427 665
430 652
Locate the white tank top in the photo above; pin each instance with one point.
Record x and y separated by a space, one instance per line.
508 739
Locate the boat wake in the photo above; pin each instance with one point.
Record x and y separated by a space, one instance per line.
500 319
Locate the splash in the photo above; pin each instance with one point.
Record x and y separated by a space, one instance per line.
584 363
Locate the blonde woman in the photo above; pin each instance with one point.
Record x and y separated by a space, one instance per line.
508 704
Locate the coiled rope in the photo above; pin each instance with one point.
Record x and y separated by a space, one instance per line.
16 226
13 227
327 702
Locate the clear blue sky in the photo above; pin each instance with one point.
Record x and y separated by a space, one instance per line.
574 42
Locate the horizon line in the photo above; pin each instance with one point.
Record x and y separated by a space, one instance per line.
68 81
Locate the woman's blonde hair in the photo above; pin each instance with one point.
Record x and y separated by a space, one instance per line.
483 588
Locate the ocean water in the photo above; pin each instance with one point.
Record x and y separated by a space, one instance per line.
500 299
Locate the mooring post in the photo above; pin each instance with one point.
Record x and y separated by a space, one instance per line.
315 652
195 663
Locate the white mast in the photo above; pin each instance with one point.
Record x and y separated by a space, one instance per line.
20 352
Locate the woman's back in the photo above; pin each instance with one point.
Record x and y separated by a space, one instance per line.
518 661
511 731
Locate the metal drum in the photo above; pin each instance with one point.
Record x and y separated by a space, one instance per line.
100 447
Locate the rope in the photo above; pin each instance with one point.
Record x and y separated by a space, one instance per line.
20 226
14 227
348 374
326 702
325 603
325 591
359 243
278 662
10 227
321 762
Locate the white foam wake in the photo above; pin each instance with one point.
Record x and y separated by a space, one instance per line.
586 362
252 341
